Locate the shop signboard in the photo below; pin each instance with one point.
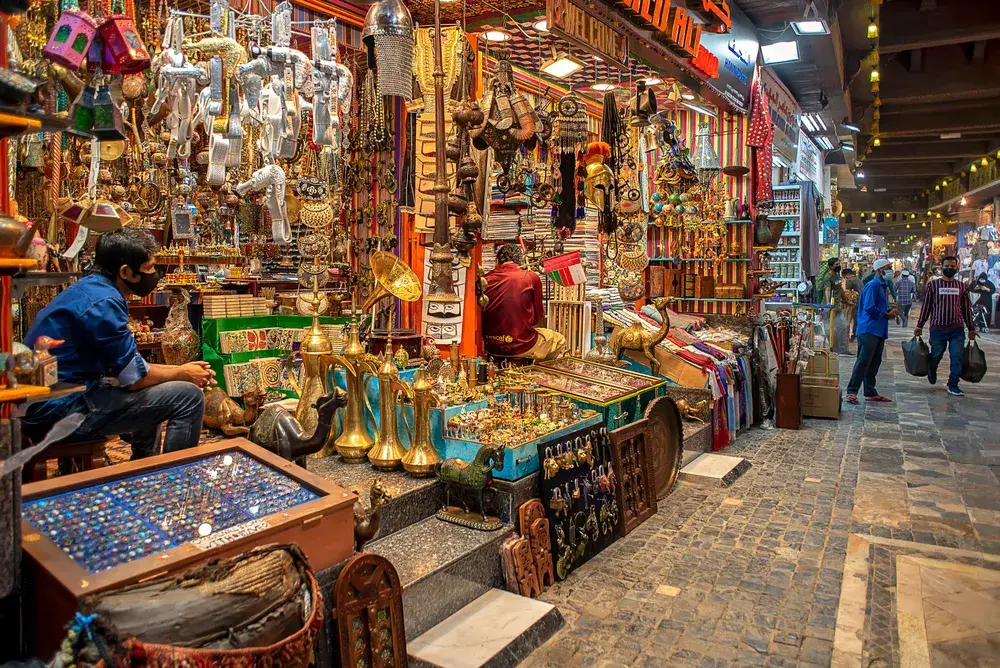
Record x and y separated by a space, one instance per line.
831 230
584 30
736 52
785 113
869 241
809 162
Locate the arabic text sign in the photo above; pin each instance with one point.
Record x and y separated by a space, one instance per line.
737 53
809 162
784 113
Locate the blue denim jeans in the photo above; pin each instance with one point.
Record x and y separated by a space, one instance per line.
866 367
954 340
138 415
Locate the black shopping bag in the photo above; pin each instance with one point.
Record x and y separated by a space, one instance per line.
916 357
974 364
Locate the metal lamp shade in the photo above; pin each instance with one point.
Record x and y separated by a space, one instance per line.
388 31
706 160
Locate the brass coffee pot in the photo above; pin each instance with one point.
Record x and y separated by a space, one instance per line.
354 442
421 459
388 452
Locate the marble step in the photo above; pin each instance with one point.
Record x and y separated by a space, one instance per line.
413 499
497 630
714 470
442 567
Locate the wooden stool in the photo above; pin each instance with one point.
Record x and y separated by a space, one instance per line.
84 455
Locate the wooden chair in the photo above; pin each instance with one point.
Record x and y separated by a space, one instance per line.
73 457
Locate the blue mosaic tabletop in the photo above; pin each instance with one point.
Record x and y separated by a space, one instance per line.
113 523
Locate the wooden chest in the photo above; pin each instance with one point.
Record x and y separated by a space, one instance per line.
119 525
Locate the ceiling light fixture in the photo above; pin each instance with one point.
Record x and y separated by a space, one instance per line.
808 122
687 96
652 81
780 52
847 146
984 162
603 86
876 142
872 31
562 65
964 201
874 76
951 135
913 215
541 26
860 175
923 224
812 27
850 126
973 169
824 143
700 109
496 36
880 190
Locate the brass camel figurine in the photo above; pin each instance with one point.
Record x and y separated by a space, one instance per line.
636 337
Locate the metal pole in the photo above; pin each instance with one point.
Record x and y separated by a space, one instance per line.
442 288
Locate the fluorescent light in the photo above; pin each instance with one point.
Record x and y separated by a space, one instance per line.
813 27
880 190
496 35
859 175
851 127
847 146
541 26
562 65
652 81
603 86
700 110
824 143
690 96
780 52
808 122
951 135
817 120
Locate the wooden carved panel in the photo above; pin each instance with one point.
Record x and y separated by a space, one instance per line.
666 432
369 610
633 459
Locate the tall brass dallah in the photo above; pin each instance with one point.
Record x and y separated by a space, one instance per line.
421 458
354 442
393 279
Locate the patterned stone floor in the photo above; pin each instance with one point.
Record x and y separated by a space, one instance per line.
869 541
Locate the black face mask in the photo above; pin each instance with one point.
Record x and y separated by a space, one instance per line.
145 285
950 272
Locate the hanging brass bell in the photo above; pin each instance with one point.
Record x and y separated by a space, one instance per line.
108 124
82 112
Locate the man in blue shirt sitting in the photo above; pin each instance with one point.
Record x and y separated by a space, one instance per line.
873 329
125 394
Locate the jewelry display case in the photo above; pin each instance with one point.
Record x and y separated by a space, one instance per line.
119 525
618 395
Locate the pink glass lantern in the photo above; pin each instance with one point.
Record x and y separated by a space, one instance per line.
123 50
70 40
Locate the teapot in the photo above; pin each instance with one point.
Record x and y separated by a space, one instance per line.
15 236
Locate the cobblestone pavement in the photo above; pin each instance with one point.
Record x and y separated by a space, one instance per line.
761 573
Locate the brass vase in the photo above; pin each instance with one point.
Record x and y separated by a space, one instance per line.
421 459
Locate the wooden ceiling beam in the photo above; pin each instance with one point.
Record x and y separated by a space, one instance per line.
930 152
925 124
918 169
855 200
902 29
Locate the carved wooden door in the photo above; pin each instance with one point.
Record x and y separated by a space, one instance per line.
369 611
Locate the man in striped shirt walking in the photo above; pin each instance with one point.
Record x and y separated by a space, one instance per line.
946 305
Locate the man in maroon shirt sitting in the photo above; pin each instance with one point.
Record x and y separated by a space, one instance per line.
514 310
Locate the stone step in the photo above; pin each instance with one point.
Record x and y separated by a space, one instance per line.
497 630
442 568
413 499
714 470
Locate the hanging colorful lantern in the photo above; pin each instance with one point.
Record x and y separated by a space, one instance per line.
108 124
123 51
70 40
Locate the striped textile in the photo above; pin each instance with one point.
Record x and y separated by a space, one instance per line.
946 305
